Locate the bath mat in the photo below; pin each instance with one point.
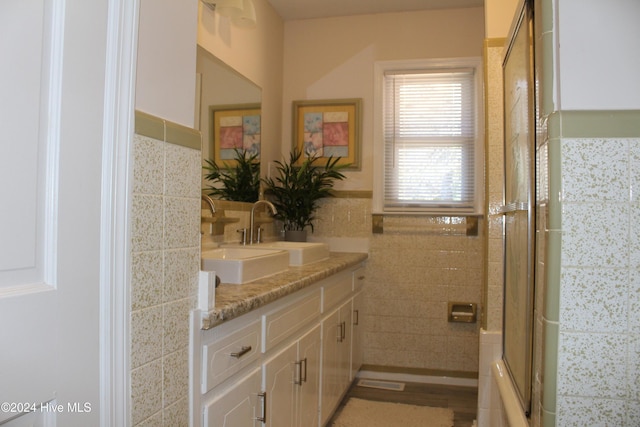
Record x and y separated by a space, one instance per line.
384 385
367 413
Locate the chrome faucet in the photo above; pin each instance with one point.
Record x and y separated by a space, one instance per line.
209 201
274 211
212 208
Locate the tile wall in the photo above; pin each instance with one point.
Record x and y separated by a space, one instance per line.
415 267
165 244
598 350
491 334
494 180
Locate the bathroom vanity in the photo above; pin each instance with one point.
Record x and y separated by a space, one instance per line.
279 351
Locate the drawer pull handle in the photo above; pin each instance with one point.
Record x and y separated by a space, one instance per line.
357 321
263 396
340 332
302 377
344 331
244 350
305 369
360 277
299 380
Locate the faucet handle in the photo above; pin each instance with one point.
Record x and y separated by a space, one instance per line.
243 232
259 239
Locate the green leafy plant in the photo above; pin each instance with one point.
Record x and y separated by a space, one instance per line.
296 189
240 182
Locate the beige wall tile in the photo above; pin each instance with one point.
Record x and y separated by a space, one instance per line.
147 222
181 269
146 391
165 265
175 377
176 324
146 279
146 327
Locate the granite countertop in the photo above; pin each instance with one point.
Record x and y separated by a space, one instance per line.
236 300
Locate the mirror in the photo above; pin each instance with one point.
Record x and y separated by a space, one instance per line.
228 111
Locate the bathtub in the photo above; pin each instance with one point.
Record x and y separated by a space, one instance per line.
498 404
510 412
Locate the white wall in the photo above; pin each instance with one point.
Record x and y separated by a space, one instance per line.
598 54
333 58
166 69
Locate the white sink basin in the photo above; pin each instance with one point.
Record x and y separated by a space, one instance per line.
242 265
300 253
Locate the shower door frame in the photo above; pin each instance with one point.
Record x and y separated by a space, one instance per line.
519 211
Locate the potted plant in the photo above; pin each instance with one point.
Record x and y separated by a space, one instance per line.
240 183
296 189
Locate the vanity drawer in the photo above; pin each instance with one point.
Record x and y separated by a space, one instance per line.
337 290
281 323
225 357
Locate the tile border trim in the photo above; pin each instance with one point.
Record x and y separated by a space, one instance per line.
167 131
595 124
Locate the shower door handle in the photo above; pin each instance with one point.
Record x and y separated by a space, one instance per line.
514 207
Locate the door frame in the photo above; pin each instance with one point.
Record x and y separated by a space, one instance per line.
118 122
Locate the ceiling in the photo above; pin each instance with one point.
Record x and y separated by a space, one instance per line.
306 9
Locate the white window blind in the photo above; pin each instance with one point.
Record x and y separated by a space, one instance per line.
430 133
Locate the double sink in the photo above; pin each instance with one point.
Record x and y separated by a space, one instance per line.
238 264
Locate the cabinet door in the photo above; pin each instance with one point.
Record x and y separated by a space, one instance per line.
240 406
331 336
280 375
356 334
309 378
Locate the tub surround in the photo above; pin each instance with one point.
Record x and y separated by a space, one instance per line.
235 300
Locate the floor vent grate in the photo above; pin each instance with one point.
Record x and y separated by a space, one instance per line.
385 385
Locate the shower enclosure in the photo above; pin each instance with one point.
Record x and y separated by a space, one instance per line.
519 203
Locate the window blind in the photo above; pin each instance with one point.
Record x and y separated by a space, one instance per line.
429 139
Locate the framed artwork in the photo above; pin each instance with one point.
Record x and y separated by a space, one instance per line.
234 127
329 128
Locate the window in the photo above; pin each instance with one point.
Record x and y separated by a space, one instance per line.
430 135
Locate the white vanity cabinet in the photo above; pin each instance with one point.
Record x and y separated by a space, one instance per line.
337 343
285 364
292 374
292 383
336 358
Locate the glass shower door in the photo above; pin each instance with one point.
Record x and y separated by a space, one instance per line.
519 205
